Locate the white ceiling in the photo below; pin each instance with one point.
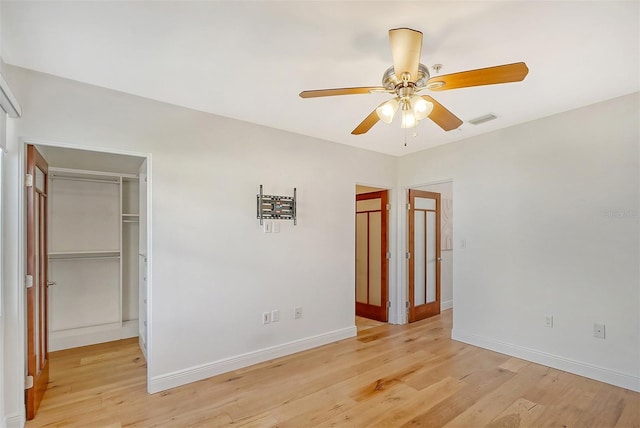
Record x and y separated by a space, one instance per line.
249 60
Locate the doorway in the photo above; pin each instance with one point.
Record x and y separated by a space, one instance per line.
92 236
429 249
371 254
424 254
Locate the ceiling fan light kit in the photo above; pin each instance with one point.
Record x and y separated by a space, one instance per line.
408 76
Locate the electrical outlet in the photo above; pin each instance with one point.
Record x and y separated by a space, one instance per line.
598 331
275 315
266 317
297 313
548 321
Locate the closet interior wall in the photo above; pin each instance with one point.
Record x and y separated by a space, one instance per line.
93 257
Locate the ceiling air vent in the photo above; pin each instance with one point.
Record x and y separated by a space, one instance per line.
482 119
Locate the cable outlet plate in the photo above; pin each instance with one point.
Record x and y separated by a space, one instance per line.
548 321
598 331
297 313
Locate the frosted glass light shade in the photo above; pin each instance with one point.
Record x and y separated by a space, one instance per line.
421 107
387 110
408 119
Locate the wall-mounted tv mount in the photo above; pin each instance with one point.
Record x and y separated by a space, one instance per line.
271 207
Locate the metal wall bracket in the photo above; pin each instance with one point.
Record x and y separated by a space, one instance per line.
272 207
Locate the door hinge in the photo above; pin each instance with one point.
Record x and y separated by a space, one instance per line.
406 305
28 382
388 207
408 207
28 180
28 281
388 255
407 255
388 304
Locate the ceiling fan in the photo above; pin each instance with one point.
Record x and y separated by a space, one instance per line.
407 77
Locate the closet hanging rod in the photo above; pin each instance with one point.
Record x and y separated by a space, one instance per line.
92 180
84 258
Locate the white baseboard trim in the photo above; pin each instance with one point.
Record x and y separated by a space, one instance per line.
565 364
447 304
77 337
143 347
204 371
15 421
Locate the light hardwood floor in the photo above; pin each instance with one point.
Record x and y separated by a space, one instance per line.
389 376
363 324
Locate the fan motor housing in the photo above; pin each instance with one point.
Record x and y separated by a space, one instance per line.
391 81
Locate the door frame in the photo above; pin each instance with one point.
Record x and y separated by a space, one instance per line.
37 295
428 309
366 310
394 290
403 245
22 255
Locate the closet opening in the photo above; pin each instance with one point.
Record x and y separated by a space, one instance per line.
91 292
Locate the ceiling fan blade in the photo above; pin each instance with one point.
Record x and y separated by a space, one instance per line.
441 116
483 76
367 123
340 91
406 45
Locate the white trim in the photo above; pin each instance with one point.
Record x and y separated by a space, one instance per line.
447 304
21 349
203 371
84 336
148 340
15 421
8 101
591 371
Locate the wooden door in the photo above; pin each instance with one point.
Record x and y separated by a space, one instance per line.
424 254
37 281
371 255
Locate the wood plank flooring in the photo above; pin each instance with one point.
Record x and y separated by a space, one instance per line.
366 323
389 376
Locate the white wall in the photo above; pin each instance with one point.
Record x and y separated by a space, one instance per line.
213 272
549 212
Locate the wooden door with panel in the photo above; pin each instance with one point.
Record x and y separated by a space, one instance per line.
371 255
424 254
37 281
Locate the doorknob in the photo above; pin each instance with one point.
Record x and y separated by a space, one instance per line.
439 259
50 283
